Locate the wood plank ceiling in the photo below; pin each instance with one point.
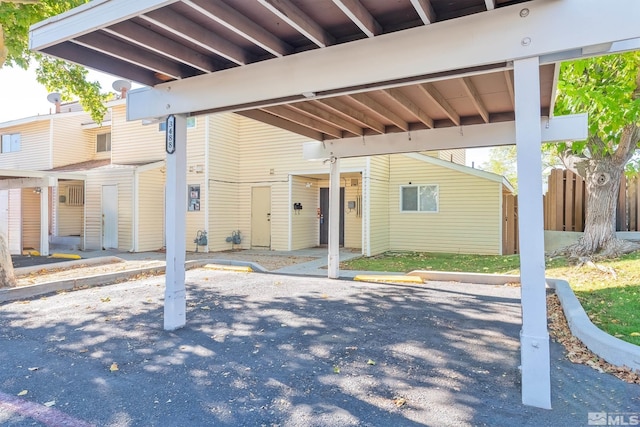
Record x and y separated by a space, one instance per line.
188 38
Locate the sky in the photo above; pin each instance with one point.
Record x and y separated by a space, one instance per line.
22 96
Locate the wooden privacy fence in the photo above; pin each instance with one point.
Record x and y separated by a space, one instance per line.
566 200
510 224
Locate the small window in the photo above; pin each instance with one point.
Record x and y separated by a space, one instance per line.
191 123
419 198
103 142
10 142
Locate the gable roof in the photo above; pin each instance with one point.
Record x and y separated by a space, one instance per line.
462 168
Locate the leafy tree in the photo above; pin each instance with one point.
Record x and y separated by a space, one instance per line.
57 76
70 80
608 88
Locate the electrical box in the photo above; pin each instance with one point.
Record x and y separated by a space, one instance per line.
297 206
351 204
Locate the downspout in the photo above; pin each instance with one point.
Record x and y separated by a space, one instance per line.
366 207
206 178
134 223
290 219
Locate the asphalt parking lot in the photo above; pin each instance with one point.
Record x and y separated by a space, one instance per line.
265 349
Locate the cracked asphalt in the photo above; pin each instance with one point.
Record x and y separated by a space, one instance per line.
274 350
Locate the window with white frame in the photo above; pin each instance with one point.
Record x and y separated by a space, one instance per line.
103 142
419 198
10 142
191 123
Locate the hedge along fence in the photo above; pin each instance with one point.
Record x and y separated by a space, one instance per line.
566 200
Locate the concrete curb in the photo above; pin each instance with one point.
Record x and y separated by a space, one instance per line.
611 349
389 278
25 292
477 278
67 264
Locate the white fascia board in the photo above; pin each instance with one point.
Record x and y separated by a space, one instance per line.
41 174
40 118
452 46
150 166
560 128
456 167
87 18
94 125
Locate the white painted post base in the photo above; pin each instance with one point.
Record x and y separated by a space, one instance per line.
334 219
534 338
175 297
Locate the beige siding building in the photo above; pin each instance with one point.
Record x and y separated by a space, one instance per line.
246 189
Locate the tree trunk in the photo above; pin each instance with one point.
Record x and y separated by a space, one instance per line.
7 276
602 184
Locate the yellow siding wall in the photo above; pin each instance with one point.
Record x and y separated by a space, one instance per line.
469 214
455 156
223 183
30 219
263 149
34 147
378 203
123 178
151 210
71 144
132 142
69 218
305 225
196 175
92 135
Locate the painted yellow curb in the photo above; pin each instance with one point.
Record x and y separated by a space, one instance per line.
67 256
238 268
31 253
388 279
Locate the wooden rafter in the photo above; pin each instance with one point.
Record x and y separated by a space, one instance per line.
327 117
408 105
304 120
299 20
188 30
241 25
432 93
270 119
474 96
425 11
111 46
376 107
508 77
360 16
139 35
350 113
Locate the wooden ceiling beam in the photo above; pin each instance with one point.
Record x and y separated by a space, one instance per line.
376 107
188 30
473 94
508 77
303 120
346 110
360 16
432 93
407 104
292 15
327 117
238 23
141 36
425 11
116 48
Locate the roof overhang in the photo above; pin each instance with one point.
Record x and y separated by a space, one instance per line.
333 69
11 179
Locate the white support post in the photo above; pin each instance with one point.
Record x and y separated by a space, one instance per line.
334 218
534 337
175 304
44 220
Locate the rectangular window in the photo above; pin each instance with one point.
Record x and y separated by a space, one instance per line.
10 142
419 198
103 142
191 123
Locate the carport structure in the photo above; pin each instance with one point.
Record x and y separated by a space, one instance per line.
360 77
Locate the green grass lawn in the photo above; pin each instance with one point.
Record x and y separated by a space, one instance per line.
612 303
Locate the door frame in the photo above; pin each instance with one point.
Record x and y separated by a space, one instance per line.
323 232
269 216
102 214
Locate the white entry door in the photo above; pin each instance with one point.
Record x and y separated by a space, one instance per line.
261 217
109 216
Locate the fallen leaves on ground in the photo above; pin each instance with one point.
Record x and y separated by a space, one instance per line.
399 401
577 352
49 403
23 392
114 367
